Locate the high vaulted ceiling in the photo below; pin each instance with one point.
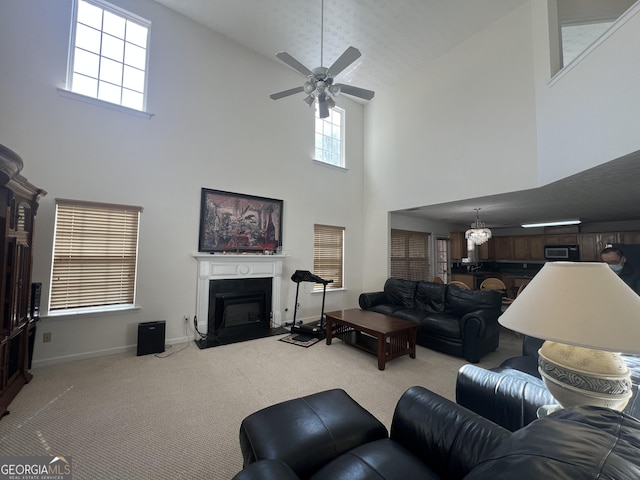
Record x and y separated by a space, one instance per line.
396 38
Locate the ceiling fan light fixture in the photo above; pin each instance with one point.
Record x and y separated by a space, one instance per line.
478 233
334 89
309 86
330 102
309 100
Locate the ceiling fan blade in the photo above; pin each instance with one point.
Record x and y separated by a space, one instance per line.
355 91
286 93
293 63
349 56
323 108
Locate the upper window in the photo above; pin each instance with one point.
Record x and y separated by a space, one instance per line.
328 255
95 251
329 137
108 54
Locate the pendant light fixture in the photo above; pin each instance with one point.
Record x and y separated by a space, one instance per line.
478 233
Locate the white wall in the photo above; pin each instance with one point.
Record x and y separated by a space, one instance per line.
214 126
462 128
588 114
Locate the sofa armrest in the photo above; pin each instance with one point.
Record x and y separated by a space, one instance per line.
486 319
371 299
266 470
450 439
308 432
507 397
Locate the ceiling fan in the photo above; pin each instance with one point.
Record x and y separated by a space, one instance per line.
319 85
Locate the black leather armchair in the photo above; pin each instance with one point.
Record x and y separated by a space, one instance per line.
328 436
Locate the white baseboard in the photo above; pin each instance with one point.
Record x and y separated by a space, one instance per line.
45 362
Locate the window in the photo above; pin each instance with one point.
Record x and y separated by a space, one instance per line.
108 54
410 255
442 259
95 250
328 255
329 134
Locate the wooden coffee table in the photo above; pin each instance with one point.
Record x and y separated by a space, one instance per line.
384 336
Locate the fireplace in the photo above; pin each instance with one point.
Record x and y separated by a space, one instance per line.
239 307
238 297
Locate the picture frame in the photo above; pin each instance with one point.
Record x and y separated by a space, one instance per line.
235 222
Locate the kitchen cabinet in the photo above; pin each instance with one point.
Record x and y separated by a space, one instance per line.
486 251
520 248
630 238
536 247
561 239
457 245
588 247
18 205
504 248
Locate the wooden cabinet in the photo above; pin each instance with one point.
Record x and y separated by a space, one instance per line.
629 237
486 251
589 247
504 248
520 248
561 239
536 247
18 205
457 245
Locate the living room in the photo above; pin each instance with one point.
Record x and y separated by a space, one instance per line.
538 133
482 119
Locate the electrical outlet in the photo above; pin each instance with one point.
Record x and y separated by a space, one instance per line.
298 306
46 337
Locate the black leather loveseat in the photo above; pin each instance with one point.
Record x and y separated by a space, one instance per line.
328 436
450 319
511 393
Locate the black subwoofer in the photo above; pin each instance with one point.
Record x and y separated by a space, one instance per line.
151 337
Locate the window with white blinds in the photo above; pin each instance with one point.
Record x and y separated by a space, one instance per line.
328 255
410 255
94 257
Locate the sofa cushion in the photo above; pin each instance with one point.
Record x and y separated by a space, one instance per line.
382 459
400 291
459 301
430 297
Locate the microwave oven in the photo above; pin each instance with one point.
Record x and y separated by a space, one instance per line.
569 253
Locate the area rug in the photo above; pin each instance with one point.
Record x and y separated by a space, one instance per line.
300 339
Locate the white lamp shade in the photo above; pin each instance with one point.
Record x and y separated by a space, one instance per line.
578 303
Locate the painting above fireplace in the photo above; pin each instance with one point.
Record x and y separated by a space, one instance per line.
235 222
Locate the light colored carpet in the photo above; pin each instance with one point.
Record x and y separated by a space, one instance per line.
128 417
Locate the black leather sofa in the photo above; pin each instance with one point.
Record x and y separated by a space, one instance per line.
511 393
328 436
450 319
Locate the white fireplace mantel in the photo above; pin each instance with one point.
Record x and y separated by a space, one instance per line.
224 266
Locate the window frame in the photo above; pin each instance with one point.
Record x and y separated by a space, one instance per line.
320 126
324 264
83 237
69 91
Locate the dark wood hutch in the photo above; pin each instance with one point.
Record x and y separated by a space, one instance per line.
18 206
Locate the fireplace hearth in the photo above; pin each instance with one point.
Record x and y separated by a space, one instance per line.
238 299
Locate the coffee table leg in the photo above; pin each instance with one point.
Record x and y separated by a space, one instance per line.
412 342
329 331
382 341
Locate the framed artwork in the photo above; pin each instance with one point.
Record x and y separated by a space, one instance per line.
234 222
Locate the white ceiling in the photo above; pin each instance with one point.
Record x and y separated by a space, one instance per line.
397 37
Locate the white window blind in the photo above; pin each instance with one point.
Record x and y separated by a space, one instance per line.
410 254
328 253
95 255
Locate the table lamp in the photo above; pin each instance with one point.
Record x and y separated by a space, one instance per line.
586 314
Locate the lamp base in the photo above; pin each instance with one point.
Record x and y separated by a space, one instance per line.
584 376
